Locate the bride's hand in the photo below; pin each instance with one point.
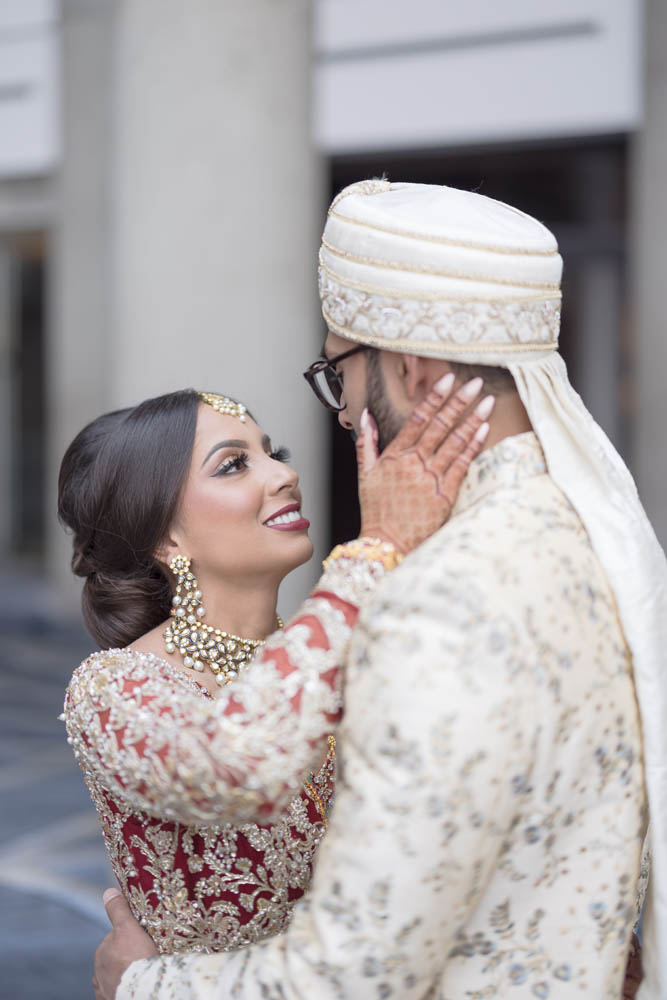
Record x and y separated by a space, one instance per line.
408 491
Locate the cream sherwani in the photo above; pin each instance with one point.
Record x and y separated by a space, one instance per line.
490 809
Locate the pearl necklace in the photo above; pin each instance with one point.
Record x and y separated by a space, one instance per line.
200 644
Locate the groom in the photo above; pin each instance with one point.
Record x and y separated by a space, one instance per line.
503 732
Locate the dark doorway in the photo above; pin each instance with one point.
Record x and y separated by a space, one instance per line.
27 396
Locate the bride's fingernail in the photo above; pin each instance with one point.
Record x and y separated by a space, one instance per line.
472 388
444 385
485 407
482 432
364 419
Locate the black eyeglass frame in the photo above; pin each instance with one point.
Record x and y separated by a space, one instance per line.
330 363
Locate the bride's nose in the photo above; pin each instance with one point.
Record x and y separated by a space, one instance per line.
283 477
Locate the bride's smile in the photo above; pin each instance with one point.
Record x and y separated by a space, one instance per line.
288 519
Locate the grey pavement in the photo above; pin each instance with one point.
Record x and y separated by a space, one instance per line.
53 865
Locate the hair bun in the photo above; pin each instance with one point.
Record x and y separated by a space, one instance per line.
83 564
119 489
118 608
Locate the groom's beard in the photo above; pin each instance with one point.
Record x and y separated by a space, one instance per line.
388 421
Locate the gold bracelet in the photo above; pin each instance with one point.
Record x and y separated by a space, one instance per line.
366 549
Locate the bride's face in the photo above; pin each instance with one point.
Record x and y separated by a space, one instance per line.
240 514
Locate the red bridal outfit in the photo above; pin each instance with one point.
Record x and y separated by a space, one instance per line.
212 808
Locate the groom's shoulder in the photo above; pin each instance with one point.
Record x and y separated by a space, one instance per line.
534 513
517 535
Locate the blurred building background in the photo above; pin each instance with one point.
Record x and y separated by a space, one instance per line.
165 168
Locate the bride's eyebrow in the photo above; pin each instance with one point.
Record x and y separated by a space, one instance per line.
236 443
231 443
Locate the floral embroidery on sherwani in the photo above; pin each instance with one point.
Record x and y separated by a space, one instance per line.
212 809
490 802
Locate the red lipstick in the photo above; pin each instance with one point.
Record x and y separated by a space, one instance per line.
288 523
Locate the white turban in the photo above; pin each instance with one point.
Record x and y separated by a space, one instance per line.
435 271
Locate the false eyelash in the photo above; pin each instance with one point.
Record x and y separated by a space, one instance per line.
281 454
236 462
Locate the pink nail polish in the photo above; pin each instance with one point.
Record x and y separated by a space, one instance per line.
444 385
472 388
485 407
482 432
363 421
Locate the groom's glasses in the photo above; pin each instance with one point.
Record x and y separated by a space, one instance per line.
325 381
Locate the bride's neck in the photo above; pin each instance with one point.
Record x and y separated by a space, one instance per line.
245 609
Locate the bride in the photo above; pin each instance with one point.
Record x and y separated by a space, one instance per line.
203 727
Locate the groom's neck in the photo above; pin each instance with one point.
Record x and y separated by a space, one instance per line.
509 418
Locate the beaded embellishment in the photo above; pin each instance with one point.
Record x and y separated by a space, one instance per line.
223 404
200 644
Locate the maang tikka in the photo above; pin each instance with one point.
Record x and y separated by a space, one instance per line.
225 405
200 644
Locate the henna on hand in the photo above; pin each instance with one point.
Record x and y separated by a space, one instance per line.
409 491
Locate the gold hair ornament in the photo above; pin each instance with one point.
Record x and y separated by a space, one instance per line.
223 404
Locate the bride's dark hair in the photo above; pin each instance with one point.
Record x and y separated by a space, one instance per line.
118 491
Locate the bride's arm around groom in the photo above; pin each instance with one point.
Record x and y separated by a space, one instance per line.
490 795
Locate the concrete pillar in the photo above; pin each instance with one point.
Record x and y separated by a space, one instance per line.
209 175
650 271
215 193
80 337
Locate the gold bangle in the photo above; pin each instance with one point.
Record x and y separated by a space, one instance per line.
366 549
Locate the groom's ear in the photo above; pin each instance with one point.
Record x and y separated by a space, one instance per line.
410 375
419 375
